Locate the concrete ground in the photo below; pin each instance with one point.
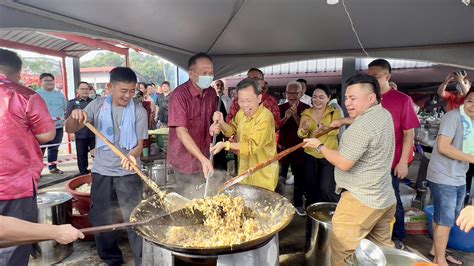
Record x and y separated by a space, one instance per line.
292 238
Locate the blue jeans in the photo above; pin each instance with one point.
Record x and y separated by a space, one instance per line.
447 202
399 226
53 151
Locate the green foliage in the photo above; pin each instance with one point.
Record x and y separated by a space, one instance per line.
105 59
149 68
42 65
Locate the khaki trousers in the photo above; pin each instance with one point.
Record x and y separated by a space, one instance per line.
354 221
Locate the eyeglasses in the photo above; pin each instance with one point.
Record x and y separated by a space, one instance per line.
292 93
48 80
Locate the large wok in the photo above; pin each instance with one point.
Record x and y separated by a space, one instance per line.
255 198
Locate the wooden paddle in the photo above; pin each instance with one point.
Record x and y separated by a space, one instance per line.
277 157
120 154
180 217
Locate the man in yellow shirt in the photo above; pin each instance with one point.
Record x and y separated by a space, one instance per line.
253 127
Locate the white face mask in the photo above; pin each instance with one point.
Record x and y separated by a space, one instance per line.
204 82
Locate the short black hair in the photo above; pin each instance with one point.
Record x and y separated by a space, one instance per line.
366 79
83 82
324 88
122 74
384 64
165 82
194 58
471 90
255 69
45 75
302 81
10 59
148 85
246 82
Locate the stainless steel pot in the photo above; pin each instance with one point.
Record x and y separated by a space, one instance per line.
318 231
53 208
395 257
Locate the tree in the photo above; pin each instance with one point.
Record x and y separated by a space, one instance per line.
104 60
41 65
149 68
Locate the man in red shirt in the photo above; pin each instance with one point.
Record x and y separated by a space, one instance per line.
191 107
405 121
267 100
454 99
25 123
288 137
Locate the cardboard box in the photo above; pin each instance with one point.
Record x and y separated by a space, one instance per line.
416 222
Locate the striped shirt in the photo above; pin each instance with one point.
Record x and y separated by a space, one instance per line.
370 142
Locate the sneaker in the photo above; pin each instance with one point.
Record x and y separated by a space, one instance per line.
301 211
290 180
399 245
56 171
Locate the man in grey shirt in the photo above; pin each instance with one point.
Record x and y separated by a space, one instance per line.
362 171
116 190
446 174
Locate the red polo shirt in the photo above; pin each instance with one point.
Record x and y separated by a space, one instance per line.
23 114
190 109
404 117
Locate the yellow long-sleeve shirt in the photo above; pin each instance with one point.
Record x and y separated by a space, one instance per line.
329 140
257 142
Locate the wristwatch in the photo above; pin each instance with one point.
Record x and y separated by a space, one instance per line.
318 149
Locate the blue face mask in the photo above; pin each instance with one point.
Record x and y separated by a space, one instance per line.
204 82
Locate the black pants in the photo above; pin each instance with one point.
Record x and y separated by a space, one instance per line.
112 197
83 146
53 150
399 226
469 176
320 185
25 209
295 160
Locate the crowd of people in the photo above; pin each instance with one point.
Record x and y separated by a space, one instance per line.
359 164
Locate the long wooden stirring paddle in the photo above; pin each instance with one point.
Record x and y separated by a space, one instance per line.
120 154
277 157
180 217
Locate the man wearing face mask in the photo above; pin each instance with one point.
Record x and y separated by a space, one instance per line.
191 107
85 139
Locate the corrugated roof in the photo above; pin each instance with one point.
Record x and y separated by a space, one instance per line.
47 41
332 65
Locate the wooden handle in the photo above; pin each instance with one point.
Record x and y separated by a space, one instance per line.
120 154
105 228
6 244
85 231
277 157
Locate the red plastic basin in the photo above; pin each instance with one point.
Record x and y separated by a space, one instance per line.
83 200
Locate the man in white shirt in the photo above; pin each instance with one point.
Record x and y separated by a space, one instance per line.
305 98
218 85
